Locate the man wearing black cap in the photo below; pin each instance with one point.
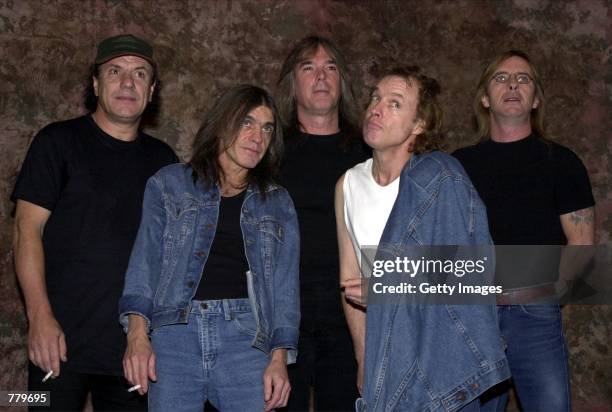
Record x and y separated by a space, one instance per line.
78 203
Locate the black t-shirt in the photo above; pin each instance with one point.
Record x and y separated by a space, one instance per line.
526 185
311 168
224 276
93 184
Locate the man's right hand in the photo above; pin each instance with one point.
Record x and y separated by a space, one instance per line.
46 343
139 358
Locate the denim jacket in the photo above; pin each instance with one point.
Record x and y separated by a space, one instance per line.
432 357
179 221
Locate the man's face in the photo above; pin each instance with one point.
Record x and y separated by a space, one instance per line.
391 117
253 139
511 100
124 88
317 84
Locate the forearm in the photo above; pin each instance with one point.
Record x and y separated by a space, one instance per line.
30 268
355 319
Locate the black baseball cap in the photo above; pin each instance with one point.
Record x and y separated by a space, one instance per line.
124 45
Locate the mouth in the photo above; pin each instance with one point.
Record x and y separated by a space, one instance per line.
373 125
252 151
512 99
126 98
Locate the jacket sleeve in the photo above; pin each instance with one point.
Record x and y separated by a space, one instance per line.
285 331
144 267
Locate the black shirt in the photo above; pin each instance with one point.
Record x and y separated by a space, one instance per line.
312 166
93 184
224 276
526 185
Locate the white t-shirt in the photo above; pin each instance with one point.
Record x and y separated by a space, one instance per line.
367 206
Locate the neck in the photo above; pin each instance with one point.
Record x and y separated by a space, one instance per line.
319 124
232 181
121 131
387 165
506 132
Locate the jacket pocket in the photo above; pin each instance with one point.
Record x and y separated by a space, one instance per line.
181 218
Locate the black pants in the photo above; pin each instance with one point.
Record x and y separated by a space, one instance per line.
326 360
69 391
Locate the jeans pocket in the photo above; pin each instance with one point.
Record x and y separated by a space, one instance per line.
542 311
245 323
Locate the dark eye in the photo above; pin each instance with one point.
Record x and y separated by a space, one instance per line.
268 129
332 67
247 123
395 104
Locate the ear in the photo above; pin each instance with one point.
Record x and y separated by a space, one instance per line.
419 127
485 101
151 91
95 85
536 103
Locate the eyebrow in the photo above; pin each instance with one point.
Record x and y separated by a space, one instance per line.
507 72
310 61
118 66
249 117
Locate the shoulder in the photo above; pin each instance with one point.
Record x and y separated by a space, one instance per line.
156 145
62 130
564 154
437 162
360 170
469 152
433 168
174 175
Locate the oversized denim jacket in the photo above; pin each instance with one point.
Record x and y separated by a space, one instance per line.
179 221
432 357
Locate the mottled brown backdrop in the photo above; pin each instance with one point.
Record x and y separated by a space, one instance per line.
207 45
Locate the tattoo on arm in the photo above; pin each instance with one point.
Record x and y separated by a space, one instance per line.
582 217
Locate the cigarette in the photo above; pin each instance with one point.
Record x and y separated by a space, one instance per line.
47 376
134 388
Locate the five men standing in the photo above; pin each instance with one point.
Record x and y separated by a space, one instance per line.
78 204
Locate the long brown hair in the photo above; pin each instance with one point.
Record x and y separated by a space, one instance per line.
349 113
220 129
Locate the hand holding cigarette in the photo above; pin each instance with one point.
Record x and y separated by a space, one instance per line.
139 359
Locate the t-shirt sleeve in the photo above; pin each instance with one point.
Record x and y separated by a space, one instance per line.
41 175
572 185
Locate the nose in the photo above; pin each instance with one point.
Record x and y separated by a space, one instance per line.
513 82
320 73
127 80
376 109
257 135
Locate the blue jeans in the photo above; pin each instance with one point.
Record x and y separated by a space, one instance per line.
538 359
209 358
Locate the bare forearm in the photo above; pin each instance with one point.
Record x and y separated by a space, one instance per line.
356 319
30 268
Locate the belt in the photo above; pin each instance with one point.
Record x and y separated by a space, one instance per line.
526 295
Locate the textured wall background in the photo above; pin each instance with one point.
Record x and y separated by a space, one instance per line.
206 45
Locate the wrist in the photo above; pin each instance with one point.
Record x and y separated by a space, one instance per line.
279 355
